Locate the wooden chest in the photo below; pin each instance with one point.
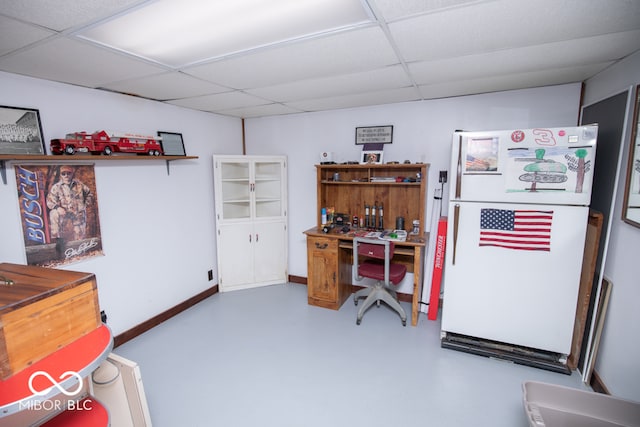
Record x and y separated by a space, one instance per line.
42 311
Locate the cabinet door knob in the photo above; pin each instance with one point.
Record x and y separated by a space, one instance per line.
321 245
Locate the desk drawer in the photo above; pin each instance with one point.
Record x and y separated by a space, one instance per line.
322 244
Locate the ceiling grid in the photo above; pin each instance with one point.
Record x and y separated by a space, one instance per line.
236 59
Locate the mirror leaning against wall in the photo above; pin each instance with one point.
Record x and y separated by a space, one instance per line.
631 210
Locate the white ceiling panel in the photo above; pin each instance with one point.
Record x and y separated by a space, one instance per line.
15 34
70 61
358 100
254 63
60 15
375 80
341 53
393 10
509 81
260 111
560 55
220 101
508 24
166 86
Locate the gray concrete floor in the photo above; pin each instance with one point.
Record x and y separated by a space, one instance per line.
263 357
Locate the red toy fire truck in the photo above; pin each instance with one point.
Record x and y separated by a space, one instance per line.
103 142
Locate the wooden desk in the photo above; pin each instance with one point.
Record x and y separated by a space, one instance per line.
329 267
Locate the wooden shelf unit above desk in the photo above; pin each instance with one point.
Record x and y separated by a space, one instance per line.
357 186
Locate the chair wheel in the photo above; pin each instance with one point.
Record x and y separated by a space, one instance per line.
355 301
358 321
404 322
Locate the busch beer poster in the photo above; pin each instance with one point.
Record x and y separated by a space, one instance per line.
59 213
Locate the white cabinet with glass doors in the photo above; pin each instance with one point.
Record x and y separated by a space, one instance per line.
251 220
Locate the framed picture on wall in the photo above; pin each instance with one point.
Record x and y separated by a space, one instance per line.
371 158
20 131
172 143
374 135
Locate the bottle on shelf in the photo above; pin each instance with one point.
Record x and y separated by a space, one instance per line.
373 215
366 215
381 215
323 213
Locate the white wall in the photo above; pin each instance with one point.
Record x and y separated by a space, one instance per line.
158 231
421 132
618 360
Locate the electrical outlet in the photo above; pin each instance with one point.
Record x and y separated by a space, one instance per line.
443 177
103 316
210 275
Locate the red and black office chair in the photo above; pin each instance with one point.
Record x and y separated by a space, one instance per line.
376 264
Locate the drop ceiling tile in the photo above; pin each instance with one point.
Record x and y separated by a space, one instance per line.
565 54
62 14
71 61
501 44
511 81
358 100
507 24
374 80
260 111
166 86
220 101
15 34
345 52
392 10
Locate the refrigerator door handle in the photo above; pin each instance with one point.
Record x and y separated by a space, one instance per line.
456 221
459 169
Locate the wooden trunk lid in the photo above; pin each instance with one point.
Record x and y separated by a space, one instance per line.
41 311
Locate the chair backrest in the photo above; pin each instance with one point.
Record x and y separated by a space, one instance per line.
378 249
375 249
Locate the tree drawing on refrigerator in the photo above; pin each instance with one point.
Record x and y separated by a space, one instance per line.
579 165
543 171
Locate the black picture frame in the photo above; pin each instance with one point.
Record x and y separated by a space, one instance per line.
21 131
374 135
172 143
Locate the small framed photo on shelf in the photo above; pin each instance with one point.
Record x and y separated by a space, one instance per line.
172 143
371 158
20 131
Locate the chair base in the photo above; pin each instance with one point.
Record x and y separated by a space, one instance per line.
375 294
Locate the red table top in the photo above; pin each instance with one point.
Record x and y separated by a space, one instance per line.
75 357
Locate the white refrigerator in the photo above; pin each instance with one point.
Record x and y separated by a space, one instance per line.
517 219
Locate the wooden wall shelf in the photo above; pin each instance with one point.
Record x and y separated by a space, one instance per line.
82 158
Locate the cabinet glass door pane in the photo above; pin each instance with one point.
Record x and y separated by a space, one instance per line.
235 170
268 189
235 190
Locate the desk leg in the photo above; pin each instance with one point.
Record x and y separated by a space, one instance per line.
418 272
